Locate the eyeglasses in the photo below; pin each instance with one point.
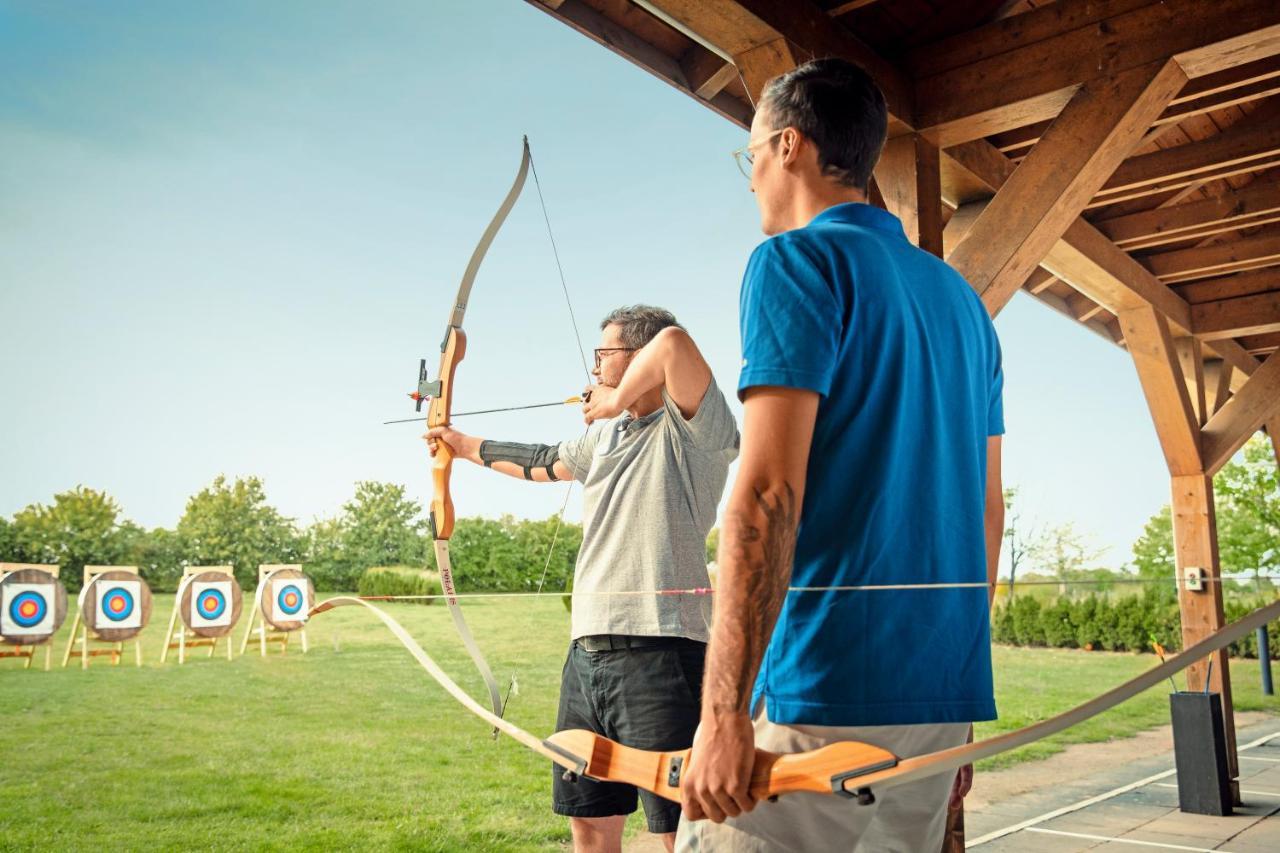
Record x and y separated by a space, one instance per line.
744 158
603 351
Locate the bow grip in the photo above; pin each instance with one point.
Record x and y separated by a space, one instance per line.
452 351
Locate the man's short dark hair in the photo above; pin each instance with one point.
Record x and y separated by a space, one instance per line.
640 323
837 105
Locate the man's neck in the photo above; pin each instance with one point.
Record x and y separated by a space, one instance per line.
812 200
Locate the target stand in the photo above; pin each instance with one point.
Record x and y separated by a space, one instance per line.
33 604
208 604
113 607
281 603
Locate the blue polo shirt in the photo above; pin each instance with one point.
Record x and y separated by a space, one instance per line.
907 364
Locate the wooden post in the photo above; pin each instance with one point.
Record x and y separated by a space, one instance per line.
910 181
1195 542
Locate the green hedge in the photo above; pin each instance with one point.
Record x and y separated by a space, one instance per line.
399 580
1114 625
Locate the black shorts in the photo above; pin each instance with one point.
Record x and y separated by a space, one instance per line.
648 698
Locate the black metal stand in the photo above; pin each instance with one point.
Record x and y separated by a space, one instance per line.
1264 661
1200 753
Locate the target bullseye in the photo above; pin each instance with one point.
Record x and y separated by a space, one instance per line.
117 604
28 608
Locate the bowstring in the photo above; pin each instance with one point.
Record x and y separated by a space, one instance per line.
513 685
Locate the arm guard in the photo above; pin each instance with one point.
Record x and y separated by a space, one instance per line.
527 456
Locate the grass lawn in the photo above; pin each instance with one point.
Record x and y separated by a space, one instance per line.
353 746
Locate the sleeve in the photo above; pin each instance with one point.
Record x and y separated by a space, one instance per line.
788 319
712 428
576 453
995 400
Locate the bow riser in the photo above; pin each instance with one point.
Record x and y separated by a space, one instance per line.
452 351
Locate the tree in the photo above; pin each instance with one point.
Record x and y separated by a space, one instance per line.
1153 556
327 561
79 529
713 544
159 554
232 524
1248 489
1064 554
382 527
1022 540
10 550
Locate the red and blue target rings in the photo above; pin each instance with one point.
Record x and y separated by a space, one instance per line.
28 609
211 604
117 604
289 599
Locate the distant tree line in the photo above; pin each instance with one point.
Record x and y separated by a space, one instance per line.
231 523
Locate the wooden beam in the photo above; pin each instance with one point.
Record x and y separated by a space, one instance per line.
1229 287
1236 150
707 73
960 223
848 6
1234 318
1217 380
1042 197
1009 76
911 183
1248 409
1146 333
1273 431
758 65
622 41
1194 218
1191 359
739 26
1195 545
1218 258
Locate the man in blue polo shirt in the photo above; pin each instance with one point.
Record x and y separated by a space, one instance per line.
870 456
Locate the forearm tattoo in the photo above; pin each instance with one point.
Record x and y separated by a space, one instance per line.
763 540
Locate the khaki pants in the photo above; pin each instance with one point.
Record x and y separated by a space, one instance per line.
909 818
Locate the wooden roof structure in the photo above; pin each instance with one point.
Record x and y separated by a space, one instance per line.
1117 160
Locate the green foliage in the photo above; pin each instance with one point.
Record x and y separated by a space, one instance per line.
159 554
232 524
399 580
382 527
1123 624
713 544
1248 497
512 555
326 562
80 528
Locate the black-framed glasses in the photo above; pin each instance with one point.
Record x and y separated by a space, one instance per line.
745 159
603 351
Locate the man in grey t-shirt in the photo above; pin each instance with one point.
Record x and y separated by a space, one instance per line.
653 464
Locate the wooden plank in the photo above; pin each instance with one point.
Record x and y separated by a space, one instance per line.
849 6
1191 218
1209 259
1233 318
1023 80
1258 345
706 72
1195 544
1146 333
1273 431
761 64
617 38
910 181
960 223
738 26
1250 147
1257 401
1048 190
1229 287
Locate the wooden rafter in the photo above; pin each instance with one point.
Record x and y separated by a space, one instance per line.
1255 204
1146 333
1022 70
1030 212
911 184
1234 318
1217 259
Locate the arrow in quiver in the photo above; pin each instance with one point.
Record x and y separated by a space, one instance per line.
33 605
114 605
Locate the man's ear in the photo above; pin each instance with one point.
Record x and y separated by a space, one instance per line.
789 145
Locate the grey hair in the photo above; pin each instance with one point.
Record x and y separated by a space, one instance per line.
640 323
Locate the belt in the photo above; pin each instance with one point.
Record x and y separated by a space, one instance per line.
618 642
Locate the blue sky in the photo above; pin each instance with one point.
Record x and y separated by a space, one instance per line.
229 231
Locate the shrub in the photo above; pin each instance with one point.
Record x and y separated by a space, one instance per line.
399 580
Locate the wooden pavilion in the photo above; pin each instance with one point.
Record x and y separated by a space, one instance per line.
1118 160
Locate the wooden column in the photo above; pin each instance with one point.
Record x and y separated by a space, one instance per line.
1195 542
910 181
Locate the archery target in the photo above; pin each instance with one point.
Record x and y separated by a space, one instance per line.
116 605
33 604
209 603
290 599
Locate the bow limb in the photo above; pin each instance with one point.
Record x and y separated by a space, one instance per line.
559 755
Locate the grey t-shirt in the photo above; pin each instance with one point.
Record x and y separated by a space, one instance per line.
651 487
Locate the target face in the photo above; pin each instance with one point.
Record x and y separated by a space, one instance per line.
290 600
210 604
118 604
28 609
